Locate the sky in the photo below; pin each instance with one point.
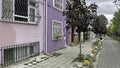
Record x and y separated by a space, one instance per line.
106 7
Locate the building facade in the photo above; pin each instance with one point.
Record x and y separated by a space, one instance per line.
29 27
21 29
56 33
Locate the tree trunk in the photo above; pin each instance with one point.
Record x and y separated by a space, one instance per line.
84 36
79 37
72 35
87 35
79 40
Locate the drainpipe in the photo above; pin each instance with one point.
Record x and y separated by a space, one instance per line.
45 47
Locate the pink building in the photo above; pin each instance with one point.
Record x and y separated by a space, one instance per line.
21 29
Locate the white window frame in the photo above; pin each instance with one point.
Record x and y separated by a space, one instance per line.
57 7
29 6
60 22
14 15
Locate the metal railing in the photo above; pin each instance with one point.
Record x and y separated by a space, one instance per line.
14 53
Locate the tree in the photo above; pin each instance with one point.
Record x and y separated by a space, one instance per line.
76 13
104 19
100 25
115 26
70 13
117 3
97 22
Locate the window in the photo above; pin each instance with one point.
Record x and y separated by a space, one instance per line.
14 53
57 30
58 4
20 10
7 10
32 11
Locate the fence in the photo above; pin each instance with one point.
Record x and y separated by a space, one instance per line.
15 53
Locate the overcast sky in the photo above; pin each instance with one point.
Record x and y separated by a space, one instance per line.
106 7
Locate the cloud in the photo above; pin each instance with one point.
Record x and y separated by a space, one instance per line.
106 7
109 17
99 1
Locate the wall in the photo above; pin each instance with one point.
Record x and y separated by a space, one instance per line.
54 14
12 33
20 33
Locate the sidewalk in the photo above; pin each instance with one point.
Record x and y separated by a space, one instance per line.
62 59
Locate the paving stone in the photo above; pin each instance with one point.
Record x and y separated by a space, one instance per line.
62 61
110 54
29 64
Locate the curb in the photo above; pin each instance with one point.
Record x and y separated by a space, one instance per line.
98 55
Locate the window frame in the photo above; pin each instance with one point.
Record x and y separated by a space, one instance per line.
57 7
29 6
58 22
15 15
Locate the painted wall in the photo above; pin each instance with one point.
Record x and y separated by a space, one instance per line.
54 14
11 33
68 36
67 31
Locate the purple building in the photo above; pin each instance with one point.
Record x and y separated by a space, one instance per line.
57 36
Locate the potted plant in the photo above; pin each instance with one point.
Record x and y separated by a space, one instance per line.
58 36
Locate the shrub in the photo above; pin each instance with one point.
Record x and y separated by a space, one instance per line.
94 51
80 58
91 65
86 63
99 48
91 57
95 43
96 48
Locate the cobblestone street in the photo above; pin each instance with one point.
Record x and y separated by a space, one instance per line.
110 54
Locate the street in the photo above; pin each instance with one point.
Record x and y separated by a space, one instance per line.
110 54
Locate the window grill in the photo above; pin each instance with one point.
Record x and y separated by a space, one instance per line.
15 53
7 10
21 7
25 11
